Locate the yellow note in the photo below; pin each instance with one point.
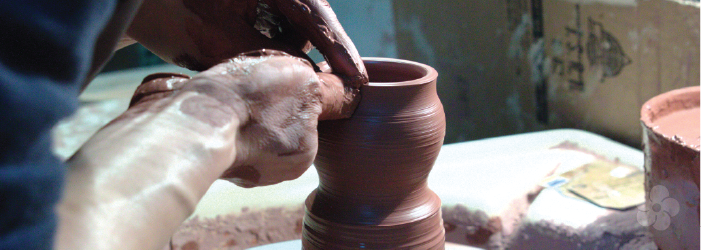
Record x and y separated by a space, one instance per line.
607 184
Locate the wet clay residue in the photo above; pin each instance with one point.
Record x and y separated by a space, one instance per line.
373 167
619 230
158 85
674 115
239 231
616 230
682 126
244 176
670 123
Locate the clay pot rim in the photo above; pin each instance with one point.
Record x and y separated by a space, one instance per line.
648 114
430 73
659 106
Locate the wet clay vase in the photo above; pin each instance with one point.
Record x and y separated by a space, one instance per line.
670 123
373 167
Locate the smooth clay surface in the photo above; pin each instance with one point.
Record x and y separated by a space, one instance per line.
373 167
682 126
670 124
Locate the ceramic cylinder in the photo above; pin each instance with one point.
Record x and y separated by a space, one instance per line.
670 124
373 167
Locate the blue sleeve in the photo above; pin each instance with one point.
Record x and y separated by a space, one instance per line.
46 53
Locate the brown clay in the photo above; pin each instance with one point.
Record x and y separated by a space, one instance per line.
373 167
670 125
239 230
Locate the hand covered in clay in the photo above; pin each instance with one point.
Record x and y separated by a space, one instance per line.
251 120
199 34
278 100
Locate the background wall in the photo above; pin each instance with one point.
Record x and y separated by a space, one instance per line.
483 85
604 61
369 23
514 66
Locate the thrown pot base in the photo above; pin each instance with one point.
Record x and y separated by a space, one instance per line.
373 167
297 244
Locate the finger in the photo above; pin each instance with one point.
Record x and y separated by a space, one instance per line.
315 20
156 85
338 100
227 45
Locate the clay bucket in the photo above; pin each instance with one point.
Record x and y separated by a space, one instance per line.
671 169
373 167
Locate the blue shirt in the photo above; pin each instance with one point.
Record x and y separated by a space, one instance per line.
46 50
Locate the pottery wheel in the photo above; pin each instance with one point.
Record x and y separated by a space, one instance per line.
297 244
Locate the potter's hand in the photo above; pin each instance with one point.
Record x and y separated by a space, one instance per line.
251 120
199 34
279 99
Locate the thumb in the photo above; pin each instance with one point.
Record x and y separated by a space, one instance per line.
338 100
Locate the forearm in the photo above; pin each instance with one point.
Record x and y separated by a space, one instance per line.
133 183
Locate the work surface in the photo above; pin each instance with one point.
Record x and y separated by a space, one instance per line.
488 185
474 173
477 181
490 181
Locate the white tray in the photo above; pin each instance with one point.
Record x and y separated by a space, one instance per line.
456 177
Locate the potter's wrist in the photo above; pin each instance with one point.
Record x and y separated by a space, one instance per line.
219 89
202 122
201 107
